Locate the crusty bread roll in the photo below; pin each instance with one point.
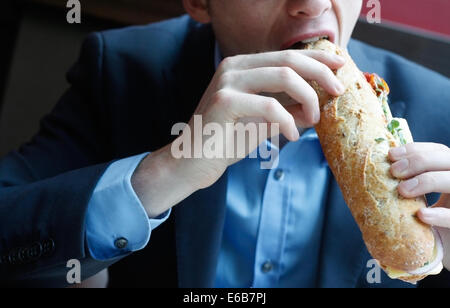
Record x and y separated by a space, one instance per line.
355 138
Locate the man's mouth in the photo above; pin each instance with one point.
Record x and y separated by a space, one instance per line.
302 44
300 41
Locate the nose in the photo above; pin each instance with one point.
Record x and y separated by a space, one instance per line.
308 8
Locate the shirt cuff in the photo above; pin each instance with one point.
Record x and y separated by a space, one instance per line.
116 221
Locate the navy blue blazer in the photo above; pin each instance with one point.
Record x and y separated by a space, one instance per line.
128 88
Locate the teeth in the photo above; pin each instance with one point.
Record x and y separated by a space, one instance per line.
302 44
314 39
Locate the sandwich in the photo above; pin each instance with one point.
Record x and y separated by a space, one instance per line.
356 131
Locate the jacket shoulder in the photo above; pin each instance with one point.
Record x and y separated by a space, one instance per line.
389 64
156 41
422 90
150 48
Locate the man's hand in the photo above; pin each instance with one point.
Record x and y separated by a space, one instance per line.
425 168
236 93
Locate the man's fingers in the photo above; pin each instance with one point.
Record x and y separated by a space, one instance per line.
318 67
299 115
242 105
416 147
330 60
438 216
418 162
437 181
280 58
309 64
275 80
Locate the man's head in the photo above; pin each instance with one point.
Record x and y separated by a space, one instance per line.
250 26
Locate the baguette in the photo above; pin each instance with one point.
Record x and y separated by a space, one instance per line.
356 131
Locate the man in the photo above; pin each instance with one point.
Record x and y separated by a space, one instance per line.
86 187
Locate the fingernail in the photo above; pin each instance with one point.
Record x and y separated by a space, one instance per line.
400 167
340 87
296 134
316 117
398 152
410 184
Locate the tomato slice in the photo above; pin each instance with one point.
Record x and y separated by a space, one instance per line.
378 84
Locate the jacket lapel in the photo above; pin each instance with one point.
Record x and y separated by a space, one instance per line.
343 250
398 109
198 230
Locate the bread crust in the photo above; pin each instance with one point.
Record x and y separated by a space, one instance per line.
348 129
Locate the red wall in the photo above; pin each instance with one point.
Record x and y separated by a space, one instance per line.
428 15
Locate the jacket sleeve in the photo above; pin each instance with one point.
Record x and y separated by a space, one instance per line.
46 185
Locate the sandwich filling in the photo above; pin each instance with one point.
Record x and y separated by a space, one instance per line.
397 127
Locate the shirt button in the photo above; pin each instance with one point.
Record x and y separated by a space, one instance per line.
279 175
121 243
267 267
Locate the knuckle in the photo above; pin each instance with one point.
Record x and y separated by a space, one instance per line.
418 160
410 148
225 80
324 70
270 106
322 54
227 64
286 74
427 179
289 57
318 55
272 101
221 99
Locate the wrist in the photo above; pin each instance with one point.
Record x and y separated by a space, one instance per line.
161 181
199 172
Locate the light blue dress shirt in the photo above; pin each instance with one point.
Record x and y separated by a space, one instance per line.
115 212
273 224
274 219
